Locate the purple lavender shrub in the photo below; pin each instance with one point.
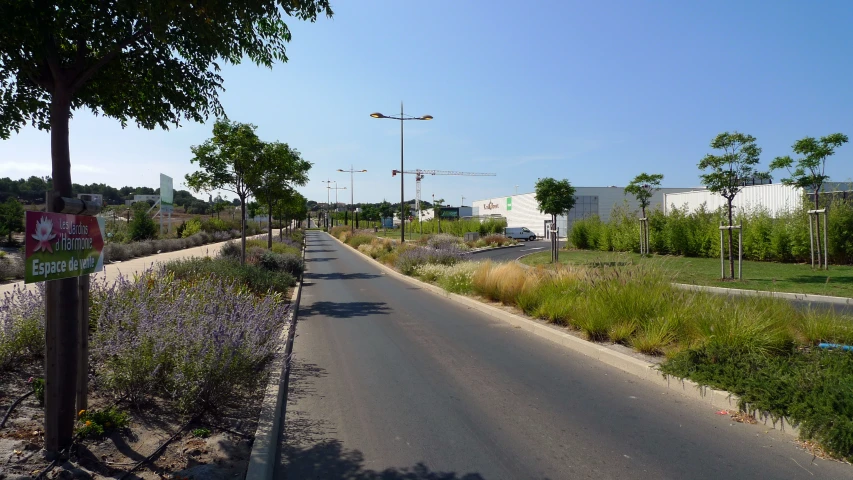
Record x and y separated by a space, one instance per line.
21 325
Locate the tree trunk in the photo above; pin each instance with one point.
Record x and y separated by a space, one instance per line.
269 223
731 242
61 300
817 226
242 230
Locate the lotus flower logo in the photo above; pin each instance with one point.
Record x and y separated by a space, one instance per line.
44 234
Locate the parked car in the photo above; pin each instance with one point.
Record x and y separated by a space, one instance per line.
520 233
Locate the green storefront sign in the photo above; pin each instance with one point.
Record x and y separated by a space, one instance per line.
509 203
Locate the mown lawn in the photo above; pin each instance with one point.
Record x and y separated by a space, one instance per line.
778 277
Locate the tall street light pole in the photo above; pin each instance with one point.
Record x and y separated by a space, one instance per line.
401 118
328 192
352 193
336 188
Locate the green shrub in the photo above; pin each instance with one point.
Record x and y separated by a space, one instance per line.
840 232
258 279
141 226
215 225
191 228
94 423
284 262
810 387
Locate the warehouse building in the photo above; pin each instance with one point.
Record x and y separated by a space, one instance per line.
522 210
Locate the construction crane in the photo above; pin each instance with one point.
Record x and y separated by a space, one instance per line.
420 174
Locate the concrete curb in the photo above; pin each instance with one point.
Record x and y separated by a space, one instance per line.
719 399
804 297
265 446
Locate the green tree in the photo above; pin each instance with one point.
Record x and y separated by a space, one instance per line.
279 169
809 171
729 170
63 56
141 227
555 197
436 211
227 161
218 207
643 188
386 211
11 218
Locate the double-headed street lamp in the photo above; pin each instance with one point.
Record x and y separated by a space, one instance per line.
352 192
401 118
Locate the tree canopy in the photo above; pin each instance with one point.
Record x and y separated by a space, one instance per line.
809 171
555 197
736 163
87 54
643 187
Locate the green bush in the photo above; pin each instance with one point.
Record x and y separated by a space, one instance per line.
811 387
258 279
191 228
141 226
784 238
215 225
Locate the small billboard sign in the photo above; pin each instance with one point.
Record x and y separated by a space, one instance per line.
60 245
166 194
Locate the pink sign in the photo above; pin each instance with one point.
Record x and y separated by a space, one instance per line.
59 245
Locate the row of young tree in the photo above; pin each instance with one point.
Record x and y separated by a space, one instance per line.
235 159
725 173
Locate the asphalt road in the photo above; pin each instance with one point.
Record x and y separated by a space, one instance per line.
394 382
508 254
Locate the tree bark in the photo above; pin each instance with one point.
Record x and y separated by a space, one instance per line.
242 229
731 242
817 226
61 300
269 223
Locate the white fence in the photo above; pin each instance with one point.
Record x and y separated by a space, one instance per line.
776 198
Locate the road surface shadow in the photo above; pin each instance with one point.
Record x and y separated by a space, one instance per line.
321 259
344 309
328 459
319 250
341 276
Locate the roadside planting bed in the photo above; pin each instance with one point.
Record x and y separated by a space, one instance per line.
762 349
182 349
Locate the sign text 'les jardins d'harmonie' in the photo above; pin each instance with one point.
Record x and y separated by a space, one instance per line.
59 245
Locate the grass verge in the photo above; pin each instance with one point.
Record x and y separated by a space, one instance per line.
768 276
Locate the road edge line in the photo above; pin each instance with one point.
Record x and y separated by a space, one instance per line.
720 399
265 446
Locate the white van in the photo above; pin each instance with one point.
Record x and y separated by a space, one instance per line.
520 233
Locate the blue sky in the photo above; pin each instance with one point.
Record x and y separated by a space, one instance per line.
595 92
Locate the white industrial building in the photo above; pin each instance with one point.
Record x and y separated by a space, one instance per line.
775 198
522 210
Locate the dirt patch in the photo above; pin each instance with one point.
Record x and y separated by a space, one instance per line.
222 453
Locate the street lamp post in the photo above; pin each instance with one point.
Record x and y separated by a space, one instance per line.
328 192
352 192
336 188
401 118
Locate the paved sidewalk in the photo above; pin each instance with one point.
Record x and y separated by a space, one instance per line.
129 267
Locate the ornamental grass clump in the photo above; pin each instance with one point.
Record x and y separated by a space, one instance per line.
453 278
378 247
21 325
197 343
